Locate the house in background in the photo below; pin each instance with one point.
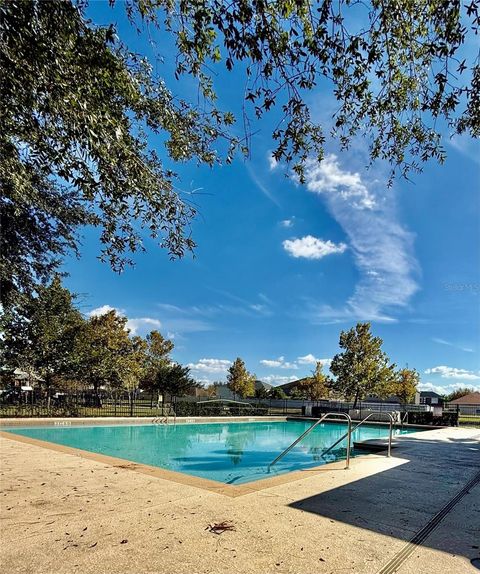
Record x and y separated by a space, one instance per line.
20 380
261 387
223 392
430 398
468 405
289 388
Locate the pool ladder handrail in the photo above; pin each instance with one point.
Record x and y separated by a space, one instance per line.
404 418
351 430
347 435
309 430
163 420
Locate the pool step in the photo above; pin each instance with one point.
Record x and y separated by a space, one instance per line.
373 444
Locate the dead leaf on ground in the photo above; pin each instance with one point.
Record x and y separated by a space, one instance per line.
220 527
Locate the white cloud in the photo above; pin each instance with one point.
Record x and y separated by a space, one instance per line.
312 360
311 247
279 363
135 324
142 324
453 373
103 310
445 389
278 380
272 162
381 247
449 344
287 222
214 366
328 177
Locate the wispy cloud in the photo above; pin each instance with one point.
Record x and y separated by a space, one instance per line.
449 344
287 222
263 188
310 247
467 146
453 373
381 247
262 306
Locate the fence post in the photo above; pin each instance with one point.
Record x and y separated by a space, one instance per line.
131 405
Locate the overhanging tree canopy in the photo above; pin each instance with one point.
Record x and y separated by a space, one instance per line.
77 107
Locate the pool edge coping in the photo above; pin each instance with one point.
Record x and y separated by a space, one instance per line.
92 421
232 491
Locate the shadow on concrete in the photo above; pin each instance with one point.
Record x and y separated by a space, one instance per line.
400 501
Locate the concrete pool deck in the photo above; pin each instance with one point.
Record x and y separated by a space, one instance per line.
62 513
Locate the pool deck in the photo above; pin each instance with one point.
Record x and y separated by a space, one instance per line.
63 513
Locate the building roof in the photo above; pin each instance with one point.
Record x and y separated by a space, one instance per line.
470 399
287 387
262 385
430 394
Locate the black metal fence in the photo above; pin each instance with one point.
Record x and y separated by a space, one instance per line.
89 404
14 403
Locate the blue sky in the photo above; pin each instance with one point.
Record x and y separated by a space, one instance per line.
280 268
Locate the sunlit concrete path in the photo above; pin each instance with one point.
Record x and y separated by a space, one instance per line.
63 513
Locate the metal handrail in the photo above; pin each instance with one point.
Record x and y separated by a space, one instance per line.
309 430
351 430
163 420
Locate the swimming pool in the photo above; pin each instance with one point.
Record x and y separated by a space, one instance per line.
231 453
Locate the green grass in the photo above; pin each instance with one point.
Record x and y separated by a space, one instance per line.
470 421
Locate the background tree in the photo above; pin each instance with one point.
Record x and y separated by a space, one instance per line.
211 390
261 393
132 366
77 108
394 67
362 368
404 384
315 387
174 380
239 380
157 356
41 334
299 392
107 356
277 393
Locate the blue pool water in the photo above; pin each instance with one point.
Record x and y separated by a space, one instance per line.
232 453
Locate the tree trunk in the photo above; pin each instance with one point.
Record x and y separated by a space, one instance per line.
356 399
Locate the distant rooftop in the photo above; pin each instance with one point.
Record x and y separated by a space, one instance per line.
470 399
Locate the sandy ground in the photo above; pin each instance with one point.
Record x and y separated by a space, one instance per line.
62 513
